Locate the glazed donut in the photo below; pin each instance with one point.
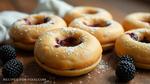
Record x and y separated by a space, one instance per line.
67 51
105 30
86 11
25 32
135 43
137 20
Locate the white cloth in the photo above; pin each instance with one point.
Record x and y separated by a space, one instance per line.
58 7
3 33
7 18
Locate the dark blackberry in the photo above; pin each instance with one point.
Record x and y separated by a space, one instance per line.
126 58
7 52
125 71
12 69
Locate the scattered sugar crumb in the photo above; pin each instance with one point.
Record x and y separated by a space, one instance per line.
70 83
80 82
69 50
103 66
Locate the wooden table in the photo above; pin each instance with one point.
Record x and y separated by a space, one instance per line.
104 73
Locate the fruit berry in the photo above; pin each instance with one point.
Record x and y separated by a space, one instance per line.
12 69
7 53
126 58
125 71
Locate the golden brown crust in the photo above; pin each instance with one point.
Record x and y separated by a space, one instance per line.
62 58
108 46
86 11
24 46
76 72
138 50
106 32
137 20
27 30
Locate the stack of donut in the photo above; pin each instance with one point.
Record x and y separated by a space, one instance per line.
77 49
26 31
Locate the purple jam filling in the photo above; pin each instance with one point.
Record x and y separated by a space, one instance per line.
45 20
27 21
69 41
133 36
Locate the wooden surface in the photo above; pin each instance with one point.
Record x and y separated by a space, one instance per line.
104 73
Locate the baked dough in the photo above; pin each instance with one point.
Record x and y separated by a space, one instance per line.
135 43
105 30
82 11
137 20
67 51
25 32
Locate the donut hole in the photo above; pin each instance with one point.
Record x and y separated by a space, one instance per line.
90 11
68 41
37 20
145 38
142 38
133 36
146 19
97 24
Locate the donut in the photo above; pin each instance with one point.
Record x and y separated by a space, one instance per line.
25 32
86 11
135 43
105 30
137 20
67 51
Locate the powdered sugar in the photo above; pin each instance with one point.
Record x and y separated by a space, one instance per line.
69 50
103 65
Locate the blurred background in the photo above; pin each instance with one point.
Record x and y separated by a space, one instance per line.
118 8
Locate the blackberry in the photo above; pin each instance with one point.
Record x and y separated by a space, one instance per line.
12 69
7 52
125 71
126 58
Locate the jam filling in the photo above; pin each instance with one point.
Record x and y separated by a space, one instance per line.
45 20
27 21
69 41
37 22
104 24
133 36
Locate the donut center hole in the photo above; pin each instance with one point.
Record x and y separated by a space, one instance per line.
69 41
147 21
98 24
135 37
37 20
91 12
144 40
